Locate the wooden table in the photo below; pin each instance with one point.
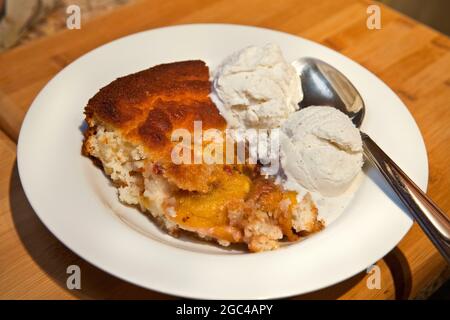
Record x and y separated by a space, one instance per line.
411 58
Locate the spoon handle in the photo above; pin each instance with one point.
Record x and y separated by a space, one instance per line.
428 215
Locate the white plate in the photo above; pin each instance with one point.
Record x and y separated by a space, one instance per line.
77 204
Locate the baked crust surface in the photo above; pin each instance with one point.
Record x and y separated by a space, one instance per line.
148 105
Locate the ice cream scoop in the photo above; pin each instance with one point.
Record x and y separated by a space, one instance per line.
321 150
256 88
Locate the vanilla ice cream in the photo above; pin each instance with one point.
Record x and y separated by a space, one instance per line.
321 150
256 88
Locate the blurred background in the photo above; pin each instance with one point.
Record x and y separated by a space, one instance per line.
22 21
432 12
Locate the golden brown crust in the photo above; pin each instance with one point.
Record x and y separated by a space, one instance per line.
148 105
125 102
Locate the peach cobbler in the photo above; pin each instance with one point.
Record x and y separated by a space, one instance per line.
130 122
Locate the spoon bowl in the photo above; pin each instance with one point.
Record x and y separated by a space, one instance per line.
323 85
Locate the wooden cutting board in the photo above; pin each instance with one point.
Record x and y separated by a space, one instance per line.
411 58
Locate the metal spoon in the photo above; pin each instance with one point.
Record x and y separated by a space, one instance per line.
323 85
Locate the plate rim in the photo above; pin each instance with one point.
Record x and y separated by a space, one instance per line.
32 110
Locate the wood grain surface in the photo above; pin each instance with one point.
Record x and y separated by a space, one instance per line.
411 58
